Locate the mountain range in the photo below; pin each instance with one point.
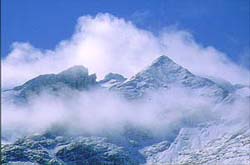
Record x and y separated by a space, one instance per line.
224 140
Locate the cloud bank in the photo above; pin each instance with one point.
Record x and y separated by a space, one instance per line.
105 43
159 116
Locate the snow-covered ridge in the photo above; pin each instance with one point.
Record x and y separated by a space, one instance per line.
224 140
162 73
165 73
76 77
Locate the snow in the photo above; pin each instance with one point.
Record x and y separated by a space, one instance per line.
215 144
164 73
221 141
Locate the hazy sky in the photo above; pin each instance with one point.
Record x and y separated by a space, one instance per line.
223 24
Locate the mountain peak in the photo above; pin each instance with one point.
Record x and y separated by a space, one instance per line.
166 62
162 59
75 70
76 77
165 73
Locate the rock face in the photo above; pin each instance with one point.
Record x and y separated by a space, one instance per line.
112 79
210 145
76 78
44 149
164 73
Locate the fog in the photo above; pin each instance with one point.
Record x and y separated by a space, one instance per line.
101 112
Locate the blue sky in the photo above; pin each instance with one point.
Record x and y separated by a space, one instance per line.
223 24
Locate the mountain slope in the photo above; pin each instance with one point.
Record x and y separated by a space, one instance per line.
215 144
224 139
164 73
50 149
76 78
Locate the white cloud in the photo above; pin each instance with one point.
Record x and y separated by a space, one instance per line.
82 113
205 61
109 44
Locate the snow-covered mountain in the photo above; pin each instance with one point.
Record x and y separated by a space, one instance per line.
216 143
164 73
76 78
221 140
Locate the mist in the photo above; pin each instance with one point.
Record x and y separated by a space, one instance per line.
101 112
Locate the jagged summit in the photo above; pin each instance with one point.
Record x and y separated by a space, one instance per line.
76 77
164 67
164 73
162 70
163 59
76 70
167 63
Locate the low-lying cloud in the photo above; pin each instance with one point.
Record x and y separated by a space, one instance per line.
99 112
105 43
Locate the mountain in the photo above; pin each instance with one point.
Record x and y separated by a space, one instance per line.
162 73
165 73
76 78
50 149
215 144
219 140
